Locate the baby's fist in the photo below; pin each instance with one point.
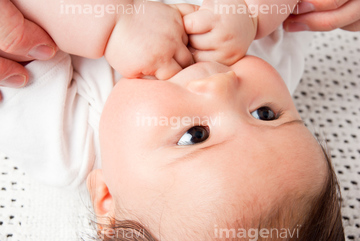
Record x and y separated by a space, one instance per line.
217 33
152 42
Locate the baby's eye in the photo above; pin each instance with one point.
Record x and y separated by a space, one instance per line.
194 135
264 113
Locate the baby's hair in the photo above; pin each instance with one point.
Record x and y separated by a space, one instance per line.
322 220
123 230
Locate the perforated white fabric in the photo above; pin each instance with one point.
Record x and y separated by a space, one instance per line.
328 99
32 211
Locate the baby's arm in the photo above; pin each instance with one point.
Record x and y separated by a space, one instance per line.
270 14
137 37
75 29
222 30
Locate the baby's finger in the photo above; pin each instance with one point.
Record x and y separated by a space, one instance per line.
207 41
185 39
166 71
12 74
215 56
199 22
183 56
324 21
318 5
185 8
201 56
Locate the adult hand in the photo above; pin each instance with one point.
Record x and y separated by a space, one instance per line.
324 15
20 40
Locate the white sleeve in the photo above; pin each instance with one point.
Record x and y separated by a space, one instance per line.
285 52
48 126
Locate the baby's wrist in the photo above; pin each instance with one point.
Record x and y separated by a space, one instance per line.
254 18
129 9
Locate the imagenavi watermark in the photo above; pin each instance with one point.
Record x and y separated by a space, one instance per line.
253 10
253 234
99 10
128 234
176 122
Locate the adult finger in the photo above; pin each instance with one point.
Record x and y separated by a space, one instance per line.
318 5
166 71
13 57
326 20
21 37
12 74
183 56
353 27
199 22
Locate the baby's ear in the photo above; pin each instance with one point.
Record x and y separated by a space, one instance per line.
99 193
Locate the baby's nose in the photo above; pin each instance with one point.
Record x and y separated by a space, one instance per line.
218 85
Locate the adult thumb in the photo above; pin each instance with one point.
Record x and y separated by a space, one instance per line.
21 37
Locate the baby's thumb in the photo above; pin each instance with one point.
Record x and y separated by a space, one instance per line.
19 36
185 8
198 22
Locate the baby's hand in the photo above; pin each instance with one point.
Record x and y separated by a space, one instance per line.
218 33
150 42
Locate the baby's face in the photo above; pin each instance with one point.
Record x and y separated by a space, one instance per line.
206 140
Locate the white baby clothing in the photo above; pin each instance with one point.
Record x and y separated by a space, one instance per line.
51 125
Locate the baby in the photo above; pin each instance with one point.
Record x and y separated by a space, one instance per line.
185 183
240 165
